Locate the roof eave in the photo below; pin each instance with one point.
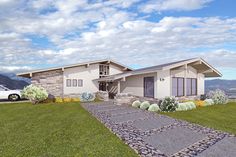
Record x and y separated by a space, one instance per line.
25 74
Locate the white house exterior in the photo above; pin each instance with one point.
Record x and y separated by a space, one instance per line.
182 78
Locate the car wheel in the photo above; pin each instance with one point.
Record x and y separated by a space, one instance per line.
14 97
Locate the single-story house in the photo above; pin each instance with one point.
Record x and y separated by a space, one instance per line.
181 78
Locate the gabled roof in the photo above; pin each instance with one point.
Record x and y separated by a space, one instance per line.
197 63
29 73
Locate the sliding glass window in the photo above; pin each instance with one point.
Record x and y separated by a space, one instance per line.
191 86
177 86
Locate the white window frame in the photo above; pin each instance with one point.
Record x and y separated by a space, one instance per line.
80 83
68 83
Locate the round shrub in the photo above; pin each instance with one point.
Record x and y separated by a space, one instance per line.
154 108
181 107
169 104
218 96
145 105
186 106
209 102
34 94
136 103
193 106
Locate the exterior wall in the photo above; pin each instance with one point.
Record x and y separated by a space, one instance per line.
190 73
134 84
201 84
52 81
163 84
115 70
87 74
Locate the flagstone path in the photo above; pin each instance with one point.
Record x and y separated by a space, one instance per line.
151 134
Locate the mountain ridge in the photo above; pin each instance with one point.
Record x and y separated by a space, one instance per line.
12 83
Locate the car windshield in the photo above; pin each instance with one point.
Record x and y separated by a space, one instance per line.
2 88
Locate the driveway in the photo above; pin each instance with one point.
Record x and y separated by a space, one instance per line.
151 134
4 101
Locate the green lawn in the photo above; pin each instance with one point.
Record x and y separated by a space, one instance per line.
221 117
54 130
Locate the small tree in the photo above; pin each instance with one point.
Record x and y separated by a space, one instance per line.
34 94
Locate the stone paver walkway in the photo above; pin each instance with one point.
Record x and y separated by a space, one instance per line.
150 134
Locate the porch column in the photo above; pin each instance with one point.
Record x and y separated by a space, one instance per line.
185 79
118 87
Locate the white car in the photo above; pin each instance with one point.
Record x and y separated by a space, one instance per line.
12 95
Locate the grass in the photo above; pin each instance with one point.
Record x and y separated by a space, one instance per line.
54 130
221 117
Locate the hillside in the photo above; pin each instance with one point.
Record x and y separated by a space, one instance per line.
225 85
12 83
229 86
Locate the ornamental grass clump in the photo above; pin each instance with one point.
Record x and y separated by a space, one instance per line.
67 99
145 105
169 104
75 99
58 100
218 96
136 103
154 108
200 103
87 97
34 94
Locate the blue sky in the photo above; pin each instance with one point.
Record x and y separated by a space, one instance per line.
47 33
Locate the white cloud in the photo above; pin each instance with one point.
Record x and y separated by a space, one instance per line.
101 30
177 5
9 69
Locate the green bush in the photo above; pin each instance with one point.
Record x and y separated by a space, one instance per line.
154 108
34 94
169 104
136 103
145 105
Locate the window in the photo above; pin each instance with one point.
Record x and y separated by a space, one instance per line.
74 83
2 89
103 70
80 83
191 86
177 86
68 82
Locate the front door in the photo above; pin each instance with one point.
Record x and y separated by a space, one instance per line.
149 87
102 86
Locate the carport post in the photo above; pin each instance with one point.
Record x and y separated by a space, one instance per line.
118 87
